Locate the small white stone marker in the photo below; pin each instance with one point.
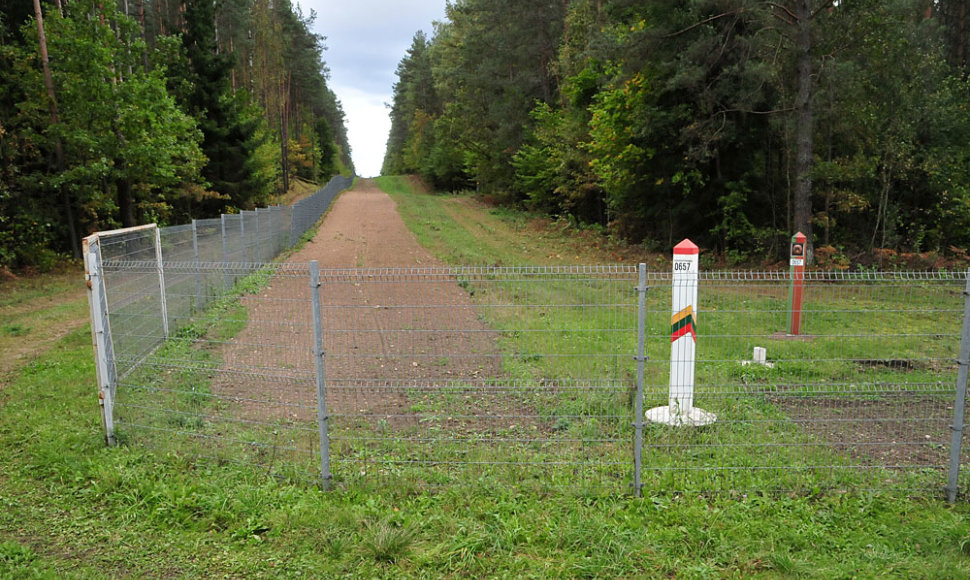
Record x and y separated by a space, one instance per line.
680 410
760 356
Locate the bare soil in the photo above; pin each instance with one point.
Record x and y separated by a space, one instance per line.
394 341
902 430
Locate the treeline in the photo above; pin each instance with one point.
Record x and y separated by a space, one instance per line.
115 113
733 122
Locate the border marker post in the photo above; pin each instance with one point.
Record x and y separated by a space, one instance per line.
797 277
680 409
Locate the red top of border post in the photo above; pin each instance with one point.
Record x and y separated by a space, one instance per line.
686 247
800 238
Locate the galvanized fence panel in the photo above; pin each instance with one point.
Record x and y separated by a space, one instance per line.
532 376
134 295
862 398
218 387
529 377
306 212
515 375
130 290
183 292
105 368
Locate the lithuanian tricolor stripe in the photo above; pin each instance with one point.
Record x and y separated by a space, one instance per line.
682 323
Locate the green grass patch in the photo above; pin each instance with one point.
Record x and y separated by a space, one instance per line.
35 310
461 230
15 330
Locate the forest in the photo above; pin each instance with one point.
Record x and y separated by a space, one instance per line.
120 113
733 122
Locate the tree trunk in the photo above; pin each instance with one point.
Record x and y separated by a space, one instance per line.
232 71
285 132
126 205
961 48
804 126
144 32
45 65
55 119
126 202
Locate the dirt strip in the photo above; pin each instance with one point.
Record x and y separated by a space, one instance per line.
364 230
381 334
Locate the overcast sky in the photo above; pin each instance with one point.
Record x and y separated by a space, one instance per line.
366 39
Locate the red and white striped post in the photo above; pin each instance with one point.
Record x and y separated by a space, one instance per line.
680 409
797 276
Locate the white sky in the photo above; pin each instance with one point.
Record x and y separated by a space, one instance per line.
366 39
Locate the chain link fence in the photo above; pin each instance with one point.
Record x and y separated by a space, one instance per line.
532 376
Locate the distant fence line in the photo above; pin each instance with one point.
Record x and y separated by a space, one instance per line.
531 376
145 306
256 236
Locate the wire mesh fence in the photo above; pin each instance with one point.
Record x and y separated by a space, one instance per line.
863 398
511 374
216 389
531 376
147 299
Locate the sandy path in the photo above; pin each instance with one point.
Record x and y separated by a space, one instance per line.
386 333
364 230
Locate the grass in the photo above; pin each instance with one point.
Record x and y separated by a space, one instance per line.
73 508
461 230
853 406
35 311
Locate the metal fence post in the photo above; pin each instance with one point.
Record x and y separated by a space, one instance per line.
101 335
318 354
259 249
225 252
162 299
274 228
959 405
242 236
641 359
198 270
280 240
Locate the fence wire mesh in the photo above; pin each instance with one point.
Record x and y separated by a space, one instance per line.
216 387
862 398
466 374
528 376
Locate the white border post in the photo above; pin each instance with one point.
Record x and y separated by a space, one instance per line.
162 299
680 409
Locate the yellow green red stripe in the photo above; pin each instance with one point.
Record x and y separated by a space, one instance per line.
683 323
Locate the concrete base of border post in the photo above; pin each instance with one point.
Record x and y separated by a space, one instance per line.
677 417
680 410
